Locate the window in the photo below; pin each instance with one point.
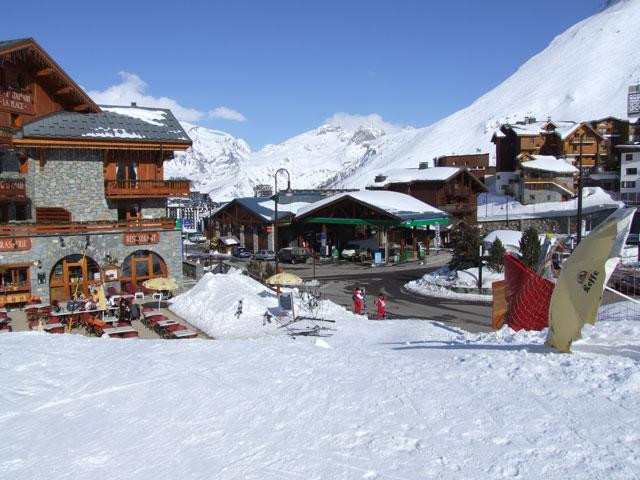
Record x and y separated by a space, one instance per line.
632 171
628 156
548 197
16 121
628 184
532 141
532 197
14 278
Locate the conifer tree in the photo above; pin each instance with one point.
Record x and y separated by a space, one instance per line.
530 247
466 242
495 260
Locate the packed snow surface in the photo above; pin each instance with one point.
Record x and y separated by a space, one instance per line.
388 400
441 282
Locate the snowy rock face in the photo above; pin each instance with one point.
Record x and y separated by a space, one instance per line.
583 74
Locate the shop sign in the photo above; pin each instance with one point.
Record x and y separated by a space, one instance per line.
269 229
15 244
139 238
17 102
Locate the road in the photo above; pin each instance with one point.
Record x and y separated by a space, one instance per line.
339 279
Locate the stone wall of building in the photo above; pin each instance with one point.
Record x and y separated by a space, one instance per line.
104 248
566 224
70 179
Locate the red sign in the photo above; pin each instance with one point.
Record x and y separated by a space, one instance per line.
269 229
17 102
141 238
15 244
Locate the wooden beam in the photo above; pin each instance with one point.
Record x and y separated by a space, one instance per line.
45 72
81 108
64 91
111 145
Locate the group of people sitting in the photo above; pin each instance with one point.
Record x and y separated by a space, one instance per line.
126 310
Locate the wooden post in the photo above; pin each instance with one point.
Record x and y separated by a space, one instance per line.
415 242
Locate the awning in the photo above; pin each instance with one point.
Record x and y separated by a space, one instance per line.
390 223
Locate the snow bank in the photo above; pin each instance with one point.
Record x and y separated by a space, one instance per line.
440 282
212 306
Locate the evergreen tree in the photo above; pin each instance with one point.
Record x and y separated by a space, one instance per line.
530 247
466 242
495 260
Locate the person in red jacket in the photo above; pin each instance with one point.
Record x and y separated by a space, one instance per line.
381 304
357 301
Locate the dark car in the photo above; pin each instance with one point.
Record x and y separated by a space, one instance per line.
293 255
240 252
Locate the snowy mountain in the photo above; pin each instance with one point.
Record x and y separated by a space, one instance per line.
583 74
226 166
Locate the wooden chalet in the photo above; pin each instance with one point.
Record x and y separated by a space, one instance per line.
82 188
451 189
476 163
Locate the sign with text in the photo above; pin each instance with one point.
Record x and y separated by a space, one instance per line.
141 238
17 102
285 304
15 244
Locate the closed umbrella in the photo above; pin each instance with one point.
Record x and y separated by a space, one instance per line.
160 285
578 292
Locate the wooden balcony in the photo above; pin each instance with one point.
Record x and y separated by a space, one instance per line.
72 228
12 189
127 189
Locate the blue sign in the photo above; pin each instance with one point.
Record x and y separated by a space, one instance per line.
187 223
377 258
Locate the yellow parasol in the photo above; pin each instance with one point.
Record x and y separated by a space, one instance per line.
161 284
284 280
578 292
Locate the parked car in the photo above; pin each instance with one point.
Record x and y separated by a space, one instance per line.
351 251
633 239
265 255
240 252
197 238
627 283
293 255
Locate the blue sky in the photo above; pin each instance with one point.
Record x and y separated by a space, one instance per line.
268 70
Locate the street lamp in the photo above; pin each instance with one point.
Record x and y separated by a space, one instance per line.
580 190
288 192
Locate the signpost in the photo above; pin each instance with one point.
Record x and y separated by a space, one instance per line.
437 239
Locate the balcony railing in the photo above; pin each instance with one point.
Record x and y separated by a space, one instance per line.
146 188
29 229
12 188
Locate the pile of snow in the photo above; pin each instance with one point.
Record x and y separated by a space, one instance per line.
387 400
492 207
510 239
213 306
440 283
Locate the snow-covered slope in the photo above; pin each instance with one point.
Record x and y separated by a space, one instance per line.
583 74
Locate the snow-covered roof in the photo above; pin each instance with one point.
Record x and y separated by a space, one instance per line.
112 123
563 128
547 163
394 203
287 205
406 175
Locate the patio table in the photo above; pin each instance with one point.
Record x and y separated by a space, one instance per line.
184 333
166 323
116 330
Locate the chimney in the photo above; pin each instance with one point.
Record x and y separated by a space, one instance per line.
380 178
423 165
134 104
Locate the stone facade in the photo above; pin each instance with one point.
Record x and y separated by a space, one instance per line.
565 224
47 250
70 179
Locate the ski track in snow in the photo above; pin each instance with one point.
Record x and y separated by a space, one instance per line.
388 400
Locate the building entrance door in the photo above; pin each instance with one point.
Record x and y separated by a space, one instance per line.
72 274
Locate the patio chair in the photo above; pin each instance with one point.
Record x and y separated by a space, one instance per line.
130 335
111 291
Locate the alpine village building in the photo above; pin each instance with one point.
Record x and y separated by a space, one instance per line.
82 192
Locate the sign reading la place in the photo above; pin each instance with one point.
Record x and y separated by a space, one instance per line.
17 102
15 244
150 238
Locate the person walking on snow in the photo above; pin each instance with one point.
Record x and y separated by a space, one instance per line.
381 304
357 301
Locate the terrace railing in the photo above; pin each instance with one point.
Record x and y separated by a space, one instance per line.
116 189
30 229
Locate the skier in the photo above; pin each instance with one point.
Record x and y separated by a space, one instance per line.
357 301
381 304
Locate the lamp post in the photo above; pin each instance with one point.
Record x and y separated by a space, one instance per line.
288 193
580 190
